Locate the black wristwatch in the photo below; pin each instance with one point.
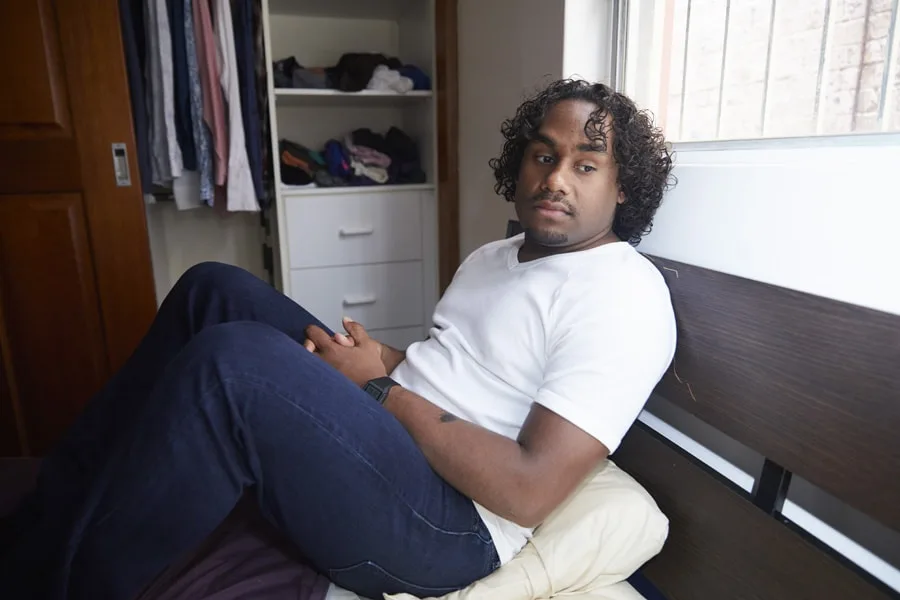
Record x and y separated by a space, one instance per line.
379 387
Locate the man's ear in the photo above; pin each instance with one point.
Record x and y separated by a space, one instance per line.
621 198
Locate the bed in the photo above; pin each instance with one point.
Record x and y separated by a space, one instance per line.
811 384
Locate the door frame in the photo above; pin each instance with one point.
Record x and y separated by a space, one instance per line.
447 89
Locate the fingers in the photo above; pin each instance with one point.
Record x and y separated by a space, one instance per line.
309 345
356 331
344 340
318 337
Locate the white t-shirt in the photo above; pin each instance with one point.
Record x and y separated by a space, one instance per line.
586 334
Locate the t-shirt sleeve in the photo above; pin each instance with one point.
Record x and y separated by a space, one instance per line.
607 350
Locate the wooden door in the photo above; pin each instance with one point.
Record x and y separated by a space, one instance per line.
76 284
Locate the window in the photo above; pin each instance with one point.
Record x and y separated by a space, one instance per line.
747 69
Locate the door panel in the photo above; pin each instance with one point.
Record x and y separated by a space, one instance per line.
37 145
59 358
76 283
29 48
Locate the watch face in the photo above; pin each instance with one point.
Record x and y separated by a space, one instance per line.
378 388
373 390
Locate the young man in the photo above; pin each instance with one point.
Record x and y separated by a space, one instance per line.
419 471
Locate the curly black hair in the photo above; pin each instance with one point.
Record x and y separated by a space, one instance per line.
640 150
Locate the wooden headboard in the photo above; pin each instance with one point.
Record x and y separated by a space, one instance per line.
810 383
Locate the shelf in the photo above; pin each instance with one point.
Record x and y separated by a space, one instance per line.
288 191
345 9
317 97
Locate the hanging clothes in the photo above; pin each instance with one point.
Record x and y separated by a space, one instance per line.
262 101
183 126
195 73
240 191
185 195
131 20
244 41
166 160
213 104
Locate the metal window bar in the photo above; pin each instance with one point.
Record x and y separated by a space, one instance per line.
722 69
618 26
854 111
890 63
765 98
684 69
824 61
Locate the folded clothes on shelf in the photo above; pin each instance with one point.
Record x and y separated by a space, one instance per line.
361 157
386 79
354 71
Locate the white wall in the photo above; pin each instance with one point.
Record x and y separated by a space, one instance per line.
181 239
507 49
586 47
817 220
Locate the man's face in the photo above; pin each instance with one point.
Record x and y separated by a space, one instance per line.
567 190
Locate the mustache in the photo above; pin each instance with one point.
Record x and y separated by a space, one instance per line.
552 197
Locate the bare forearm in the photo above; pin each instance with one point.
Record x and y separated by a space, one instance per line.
493 470
391 357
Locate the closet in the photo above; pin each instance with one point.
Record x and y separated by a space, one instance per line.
368 251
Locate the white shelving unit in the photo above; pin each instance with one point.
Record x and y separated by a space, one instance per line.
365 252
301 97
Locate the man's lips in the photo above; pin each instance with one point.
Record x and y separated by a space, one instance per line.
552 208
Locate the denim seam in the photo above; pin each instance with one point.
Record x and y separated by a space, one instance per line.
432 590
266 385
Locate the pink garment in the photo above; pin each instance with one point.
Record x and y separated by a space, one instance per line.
365 155
213 103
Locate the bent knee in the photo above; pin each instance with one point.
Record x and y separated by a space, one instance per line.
215 277
209 272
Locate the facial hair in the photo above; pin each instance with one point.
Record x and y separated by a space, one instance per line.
543 237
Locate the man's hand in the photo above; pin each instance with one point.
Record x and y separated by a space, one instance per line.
358 358
390 357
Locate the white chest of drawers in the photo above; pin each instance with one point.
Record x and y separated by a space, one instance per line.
370 255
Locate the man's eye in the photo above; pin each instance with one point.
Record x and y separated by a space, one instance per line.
544 159
587 168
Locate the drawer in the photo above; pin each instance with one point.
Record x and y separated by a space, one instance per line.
399 338
349 229
382 296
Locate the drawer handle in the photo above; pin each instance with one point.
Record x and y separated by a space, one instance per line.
359 300
355 232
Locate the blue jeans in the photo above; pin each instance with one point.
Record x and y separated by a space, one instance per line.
221 397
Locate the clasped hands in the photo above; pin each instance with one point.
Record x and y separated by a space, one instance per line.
359 357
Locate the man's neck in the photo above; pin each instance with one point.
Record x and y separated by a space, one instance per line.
531 250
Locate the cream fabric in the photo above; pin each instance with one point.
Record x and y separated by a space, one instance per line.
616 591
607 528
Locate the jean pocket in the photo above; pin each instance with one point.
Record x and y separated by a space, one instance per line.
371 581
